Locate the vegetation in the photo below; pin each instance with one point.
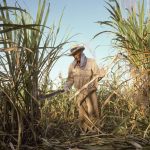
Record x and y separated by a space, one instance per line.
27 55
29 49
132 39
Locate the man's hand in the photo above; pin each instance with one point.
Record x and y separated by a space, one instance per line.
102 72
66 89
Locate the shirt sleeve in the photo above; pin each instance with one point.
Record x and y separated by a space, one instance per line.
95 72
70 80
95 69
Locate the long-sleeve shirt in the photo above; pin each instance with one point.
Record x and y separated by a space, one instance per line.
79 77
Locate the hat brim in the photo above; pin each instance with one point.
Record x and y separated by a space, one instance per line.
76 50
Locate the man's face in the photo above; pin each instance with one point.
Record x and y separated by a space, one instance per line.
77 56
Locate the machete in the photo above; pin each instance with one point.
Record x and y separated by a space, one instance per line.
43 97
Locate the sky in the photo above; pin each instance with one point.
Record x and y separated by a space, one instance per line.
80 17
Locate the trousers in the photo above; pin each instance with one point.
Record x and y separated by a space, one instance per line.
88 109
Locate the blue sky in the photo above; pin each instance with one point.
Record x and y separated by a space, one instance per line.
80 16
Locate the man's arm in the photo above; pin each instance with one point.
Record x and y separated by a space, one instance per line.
70 80
96 72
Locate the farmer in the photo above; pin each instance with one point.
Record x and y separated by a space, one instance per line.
81 71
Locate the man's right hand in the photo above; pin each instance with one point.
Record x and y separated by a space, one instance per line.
66 89
102 72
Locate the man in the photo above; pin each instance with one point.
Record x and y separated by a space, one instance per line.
81 71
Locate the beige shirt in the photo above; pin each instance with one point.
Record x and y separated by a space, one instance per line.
79 77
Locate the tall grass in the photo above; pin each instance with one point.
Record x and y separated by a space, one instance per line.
131 32
119 114
29 49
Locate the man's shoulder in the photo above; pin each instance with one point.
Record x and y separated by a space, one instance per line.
71 64
90 60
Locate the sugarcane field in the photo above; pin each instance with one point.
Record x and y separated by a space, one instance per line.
74 75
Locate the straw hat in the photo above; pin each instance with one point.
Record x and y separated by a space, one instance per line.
76 49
